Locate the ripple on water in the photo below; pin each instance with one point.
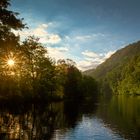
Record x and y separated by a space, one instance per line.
88 129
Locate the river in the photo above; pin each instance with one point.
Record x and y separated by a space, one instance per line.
113 118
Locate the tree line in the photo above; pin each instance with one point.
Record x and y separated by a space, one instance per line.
26 70
123 79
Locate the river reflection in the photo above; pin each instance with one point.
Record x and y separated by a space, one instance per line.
115 118
122 114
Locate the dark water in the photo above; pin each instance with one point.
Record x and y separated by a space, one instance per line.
116 118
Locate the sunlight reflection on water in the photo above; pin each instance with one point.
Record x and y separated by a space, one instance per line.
88 129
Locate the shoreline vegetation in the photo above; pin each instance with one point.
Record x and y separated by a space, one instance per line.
120 74
27 72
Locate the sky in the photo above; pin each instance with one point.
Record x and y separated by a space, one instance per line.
86 31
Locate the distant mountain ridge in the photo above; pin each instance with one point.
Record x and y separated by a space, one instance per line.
120 57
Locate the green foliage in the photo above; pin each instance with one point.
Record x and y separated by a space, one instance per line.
37 68
130 83
32 74
9 18
125 79
89 88
72 84
120 58
120 73
69 78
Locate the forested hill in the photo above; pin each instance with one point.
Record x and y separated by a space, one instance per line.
122 56
121 72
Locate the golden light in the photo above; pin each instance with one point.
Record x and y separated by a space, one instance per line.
10 62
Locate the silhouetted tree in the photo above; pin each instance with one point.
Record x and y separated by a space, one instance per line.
9 44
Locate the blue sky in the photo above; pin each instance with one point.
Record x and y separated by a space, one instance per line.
87 31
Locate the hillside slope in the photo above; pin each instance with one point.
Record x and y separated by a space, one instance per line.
121 72
122 56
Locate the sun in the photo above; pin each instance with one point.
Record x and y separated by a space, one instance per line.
10 62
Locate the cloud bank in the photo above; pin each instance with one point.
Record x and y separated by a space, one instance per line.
92 59
41 32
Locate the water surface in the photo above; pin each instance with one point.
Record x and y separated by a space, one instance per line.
116 118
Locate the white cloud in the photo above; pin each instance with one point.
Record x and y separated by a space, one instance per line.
58 52
63 49
50 39
89 54
92 59
91 36
40 32
67 37
108 54
84 65
83 38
